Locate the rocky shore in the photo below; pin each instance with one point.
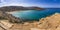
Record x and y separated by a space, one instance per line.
48 23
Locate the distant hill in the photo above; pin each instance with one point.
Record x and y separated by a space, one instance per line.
17 8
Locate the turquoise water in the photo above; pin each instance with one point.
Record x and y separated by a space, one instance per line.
35 14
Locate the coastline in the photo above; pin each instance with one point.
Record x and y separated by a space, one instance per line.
12 12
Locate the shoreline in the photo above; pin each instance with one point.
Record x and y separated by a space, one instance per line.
12 12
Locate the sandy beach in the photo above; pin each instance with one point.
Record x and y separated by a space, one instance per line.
12 12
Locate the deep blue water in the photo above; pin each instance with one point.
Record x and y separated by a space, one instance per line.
36 14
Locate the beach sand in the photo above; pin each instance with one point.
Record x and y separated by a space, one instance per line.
12 12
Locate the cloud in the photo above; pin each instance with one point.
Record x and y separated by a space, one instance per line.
15 4
40 3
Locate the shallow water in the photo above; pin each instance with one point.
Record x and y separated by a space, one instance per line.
35 14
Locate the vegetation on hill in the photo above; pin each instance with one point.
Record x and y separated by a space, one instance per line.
18 8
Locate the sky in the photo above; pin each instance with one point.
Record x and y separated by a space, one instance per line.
39 3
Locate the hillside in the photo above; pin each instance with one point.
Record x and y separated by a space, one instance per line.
18 8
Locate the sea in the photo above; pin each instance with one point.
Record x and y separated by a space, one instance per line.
36 14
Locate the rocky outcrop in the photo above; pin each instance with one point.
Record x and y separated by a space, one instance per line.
48 23
9 17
